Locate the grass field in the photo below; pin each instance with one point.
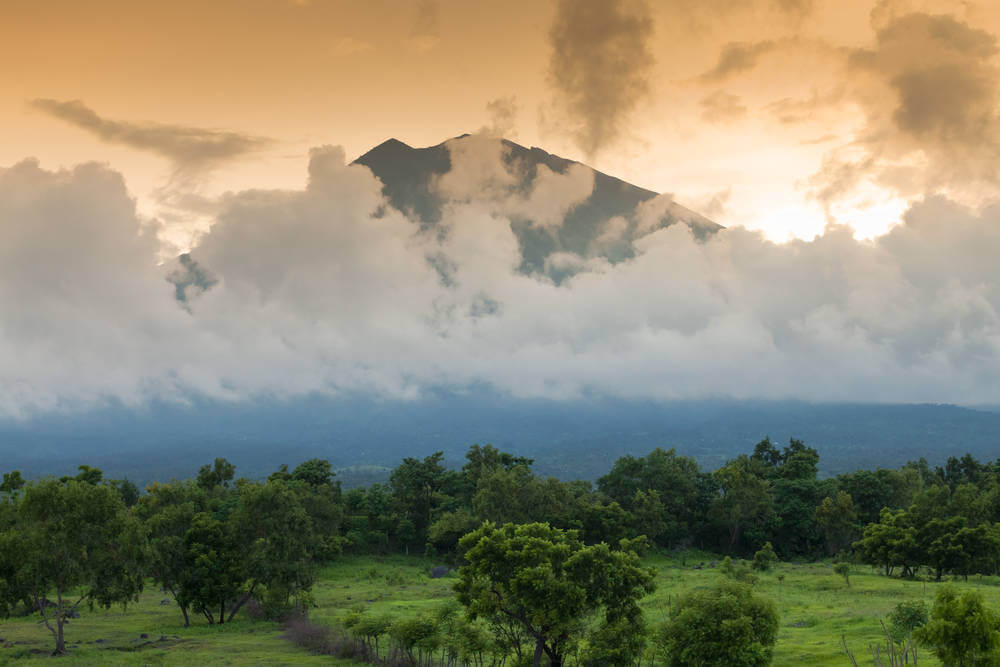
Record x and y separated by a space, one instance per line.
815 606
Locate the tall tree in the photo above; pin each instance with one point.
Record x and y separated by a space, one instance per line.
74 541
549 583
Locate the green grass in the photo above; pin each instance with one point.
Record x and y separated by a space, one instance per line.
814 604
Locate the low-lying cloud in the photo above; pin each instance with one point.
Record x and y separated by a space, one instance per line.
328 289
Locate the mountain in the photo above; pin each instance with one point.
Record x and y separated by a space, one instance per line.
408 175
568 439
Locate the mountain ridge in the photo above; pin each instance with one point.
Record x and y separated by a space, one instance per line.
408 175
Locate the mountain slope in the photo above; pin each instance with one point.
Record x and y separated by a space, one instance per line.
409 174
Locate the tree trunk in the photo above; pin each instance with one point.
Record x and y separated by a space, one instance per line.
539 645
60 619
184 610
238 606
222 612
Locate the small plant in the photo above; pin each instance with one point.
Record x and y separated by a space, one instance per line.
906 617
844 570
889 654
764 559
737 571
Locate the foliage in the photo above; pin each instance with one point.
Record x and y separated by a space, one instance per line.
70 539
962 630
725 625
764 559
906 617
843 568
548 582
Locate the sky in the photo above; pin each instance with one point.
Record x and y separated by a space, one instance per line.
849 147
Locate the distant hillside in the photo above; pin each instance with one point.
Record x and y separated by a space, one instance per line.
408 173
567 439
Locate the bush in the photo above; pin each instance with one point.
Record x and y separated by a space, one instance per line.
962 630
844 570
737 571
764 559
726 625
321 640
906 617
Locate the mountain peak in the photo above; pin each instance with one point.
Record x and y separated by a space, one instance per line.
407 174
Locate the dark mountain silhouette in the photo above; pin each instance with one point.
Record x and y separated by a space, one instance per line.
408 174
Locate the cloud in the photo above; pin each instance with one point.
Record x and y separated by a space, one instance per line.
722 107
188 148
352 46
503 118
425 33
791 111
328 289
929 89
736 58
600 66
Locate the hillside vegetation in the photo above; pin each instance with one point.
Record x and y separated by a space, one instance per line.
491 564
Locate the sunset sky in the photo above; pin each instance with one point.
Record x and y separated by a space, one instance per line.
820 124
752 111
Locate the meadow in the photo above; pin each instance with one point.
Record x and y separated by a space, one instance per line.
816 608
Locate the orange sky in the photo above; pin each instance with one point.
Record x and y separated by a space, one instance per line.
752 111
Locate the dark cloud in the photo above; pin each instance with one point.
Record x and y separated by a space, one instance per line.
737 57
600 66
930 90
189 148
722 107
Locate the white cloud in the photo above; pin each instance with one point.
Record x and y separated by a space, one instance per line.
327 289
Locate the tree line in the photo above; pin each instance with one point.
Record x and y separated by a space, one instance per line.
217 543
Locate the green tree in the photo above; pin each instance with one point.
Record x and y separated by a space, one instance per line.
72 540
725 625
681 490
274 535
168 511
12 482
764 559
836 517
962 630
216 567
549 583
906 617
745 502
416 490
219 473
890 543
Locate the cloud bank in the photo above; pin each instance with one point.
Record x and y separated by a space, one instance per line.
328 289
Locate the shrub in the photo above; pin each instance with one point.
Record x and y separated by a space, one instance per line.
737 571
962 630
844 570
725 625
764 559
321 640
906 617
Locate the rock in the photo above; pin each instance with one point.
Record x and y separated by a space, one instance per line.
163 638
144 636
439 571
166 601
